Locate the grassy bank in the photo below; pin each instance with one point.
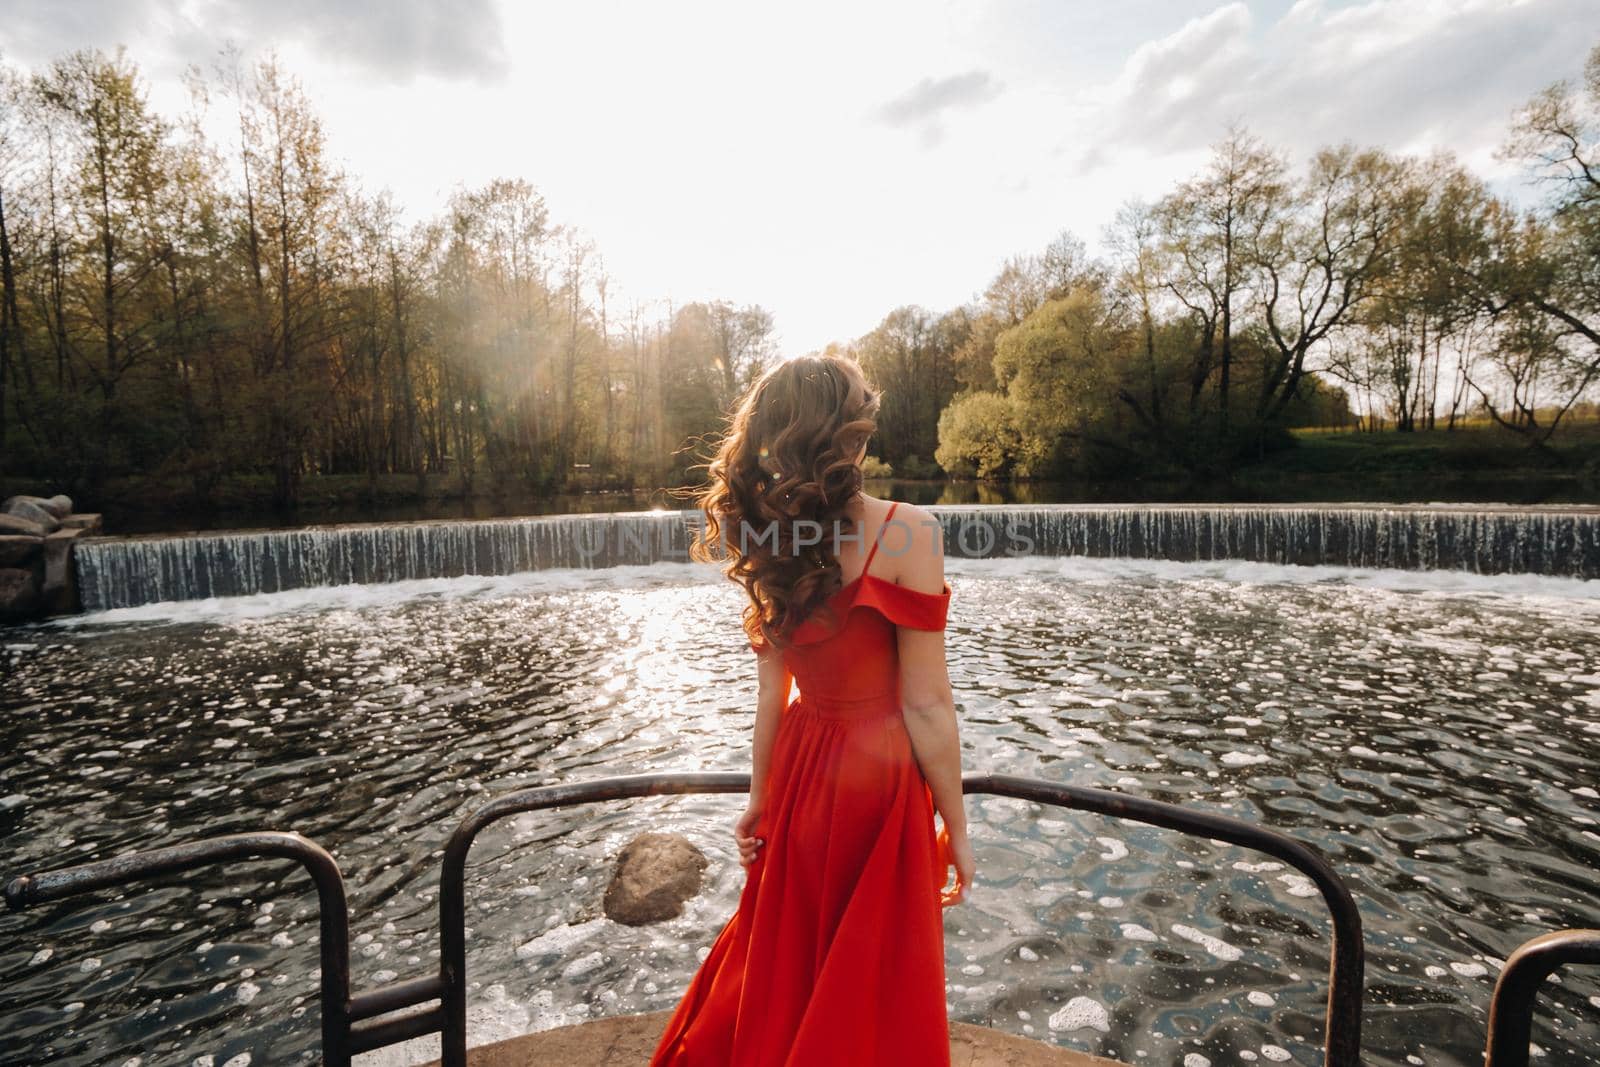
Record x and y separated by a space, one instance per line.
1475 462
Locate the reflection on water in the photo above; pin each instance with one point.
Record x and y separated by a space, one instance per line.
138 516
1434 735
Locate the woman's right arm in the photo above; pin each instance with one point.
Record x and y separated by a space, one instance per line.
927 701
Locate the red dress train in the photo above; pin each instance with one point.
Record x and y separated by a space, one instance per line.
835 955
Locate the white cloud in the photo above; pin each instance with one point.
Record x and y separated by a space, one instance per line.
1411 75
924 103
834 160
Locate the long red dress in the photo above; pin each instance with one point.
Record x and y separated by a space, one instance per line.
835 956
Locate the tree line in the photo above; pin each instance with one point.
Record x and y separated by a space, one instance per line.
198 310
1365 287
195 310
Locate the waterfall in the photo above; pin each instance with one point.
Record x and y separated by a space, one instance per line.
117 573
125 572
1485 540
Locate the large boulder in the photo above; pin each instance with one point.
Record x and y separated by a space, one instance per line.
19 594
655 874
13 524
18 550
23 507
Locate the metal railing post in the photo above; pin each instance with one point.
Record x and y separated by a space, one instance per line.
1511 1007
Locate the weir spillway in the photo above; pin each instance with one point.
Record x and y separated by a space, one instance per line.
1557 541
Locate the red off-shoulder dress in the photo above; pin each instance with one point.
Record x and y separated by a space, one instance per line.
835 956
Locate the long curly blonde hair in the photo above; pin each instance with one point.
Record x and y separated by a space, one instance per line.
779 483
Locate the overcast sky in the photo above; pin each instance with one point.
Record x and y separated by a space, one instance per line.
832 161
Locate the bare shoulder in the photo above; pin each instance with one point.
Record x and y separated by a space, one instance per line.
918 539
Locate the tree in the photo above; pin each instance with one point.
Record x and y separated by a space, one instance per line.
978 437
119 172
1549 265
1059 368
1213 228
1320 263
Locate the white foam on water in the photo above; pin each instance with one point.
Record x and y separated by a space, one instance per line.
388 594
1218 948
582 965
1260 999
1081 1013
1115 850
1245 572
1469 970
1299 885
1275 1053
1194 1059
1245 759
1135 932
559 940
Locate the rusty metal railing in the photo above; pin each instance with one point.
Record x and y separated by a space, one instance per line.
1511 1008
333 911
437 1003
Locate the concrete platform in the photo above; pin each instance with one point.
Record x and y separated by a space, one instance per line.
628 1041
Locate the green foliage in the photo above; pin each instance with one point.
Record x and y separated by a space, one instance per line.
914 466
873 467
978 437
242 313
1060 370
248 316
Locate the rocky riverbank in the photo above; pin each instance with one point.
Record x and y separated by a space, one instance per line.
37 574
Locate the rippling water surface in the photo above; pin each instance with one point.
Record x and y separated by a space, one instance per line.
1435 735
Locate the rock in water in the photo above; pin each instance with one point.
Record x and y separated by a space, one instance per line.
19 595
14 524
25 508
17 550
655 874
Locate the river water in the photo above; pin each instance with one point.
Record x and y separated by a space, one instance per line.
1434 734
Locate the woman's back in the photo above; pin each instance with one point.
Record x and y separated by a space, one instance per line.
845 658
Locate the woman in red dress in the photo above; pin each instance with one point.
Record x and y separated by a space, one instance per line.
835 955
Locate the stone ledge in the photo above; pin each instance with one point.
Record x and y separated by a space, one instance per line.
628 1041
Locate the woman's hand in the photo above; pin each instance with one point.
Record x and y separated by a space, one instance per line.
960 855
744 833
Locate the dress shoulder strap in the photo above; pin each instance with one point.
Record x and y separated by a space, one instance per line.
876 541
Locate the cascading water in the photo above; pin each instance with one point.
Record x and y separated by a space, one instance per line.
114 573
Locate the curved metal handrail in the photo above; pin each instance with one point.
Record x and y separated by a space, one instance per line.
1342 1044
332 909
1511 1007
377 1017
